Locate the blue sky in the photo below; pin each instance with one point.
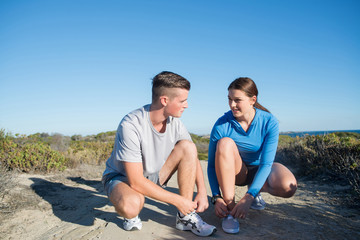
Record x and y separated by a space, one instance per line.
77 67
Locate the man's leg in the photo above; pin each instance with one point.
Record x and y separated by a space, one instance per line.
230 169
183 158
127 202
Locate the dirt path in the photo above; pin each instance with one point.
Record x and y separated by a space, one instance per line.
72 205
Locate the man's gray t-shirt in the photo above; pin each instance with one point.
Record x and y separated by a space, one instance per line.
137 141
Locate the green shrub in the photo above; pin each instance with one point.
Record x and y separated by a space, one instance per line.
31 156
94 152
202 156
334 156
202 145
106 136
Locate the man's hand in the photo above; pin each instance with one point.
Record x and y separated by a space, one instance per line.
201 201
185 206
242 207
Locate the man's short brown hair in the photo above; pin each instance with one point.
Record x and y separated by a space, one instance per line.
165 80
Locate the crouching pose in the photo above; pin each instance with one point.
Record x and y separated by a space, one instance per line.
242 149
150 145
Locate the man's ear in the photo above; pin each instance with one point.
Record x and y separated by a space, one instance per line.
164 100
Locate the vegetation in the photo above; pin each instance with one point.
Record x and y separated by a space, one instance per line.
42 152
90 152
202 144
29 155
334 156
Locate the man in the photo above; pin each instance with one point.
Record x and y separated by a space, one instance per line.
150 145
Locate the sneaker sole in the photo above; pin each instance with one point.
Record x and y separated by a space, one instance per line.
136 227
133 229
184 228
232 231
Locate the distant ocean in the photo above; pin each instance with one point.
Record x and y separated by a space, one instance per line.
301 134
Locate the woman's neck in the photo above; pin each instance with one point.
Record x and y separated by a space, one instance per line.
246 120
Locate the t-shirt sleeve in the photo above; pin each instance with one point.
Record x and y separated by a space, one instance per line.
183 133
267 157
127 143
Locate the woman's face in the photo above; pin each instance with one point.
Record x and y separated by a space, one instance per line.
240 104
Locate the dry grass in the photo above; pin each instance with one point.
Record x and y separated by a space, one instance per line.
8 202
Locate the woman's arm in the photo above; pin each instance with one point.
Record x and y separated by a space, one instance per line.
267 158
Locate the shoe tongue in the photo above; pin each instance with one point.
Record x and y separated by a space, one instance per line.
198 218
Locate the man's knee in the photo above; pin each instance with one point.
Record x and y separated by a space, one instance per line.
187 147
128 206
188 154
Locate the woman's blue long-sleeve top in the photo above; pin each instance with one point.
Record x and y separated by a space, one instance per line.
257 146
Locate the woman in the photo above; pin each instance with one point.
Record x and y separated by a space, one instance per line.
242 149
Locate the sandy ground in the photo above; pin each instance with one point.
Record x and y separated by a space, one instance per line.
72 205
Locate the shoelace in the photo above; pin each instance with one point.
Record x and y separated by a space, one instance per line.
133 220
230 217
199 221
260 200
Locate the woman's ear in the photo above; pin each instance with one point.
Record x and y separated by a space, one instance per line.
253 100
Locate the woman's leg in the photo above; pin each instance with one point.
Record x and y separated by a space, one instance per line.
230 169
281 182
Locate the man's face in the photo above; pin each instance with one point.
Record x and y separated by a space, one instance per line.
177 102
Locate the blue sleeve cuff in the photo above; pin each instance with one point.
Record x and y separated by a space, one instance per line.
252 193
216 193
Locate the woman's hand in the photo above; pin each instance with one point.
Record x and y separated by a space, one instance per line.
201 201
242 207
221 208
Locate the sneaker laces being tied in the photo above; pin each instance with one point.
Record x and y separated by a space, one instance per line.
198 220
132 220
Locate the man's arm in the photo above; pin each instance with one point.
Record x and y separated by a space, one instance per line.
139 183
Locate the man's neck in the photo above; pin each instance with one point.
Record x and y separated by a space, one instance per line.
158 118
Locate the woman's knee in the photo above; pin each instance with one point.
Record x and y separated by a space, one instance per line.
291 188
227 153
224 144
282 181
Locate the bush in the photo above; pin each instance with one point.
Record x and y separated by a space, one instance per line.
32 156
333 156
202 145
88 152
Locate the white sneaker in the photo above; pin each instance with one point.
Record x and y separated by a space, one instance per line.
132 224
258 203
194 223
230 224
